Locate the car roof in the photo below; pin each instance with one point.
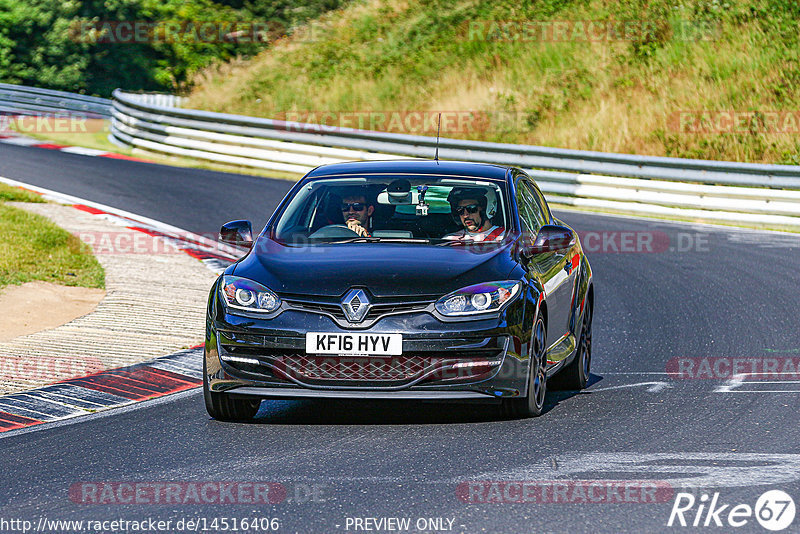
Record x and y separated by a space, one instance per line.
413 166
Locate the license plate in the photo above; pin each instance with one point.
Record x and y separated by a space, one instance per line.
354 344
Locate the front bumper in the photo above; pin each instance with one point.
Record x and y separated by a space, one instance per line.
481 359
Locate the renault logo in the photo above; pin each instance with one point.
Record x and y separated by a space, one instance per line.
355 305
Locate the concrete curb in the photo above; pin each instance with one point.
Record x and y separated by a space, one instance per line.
102 391
155 303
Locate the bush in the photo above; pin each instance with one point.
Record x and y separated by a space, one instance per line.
49 43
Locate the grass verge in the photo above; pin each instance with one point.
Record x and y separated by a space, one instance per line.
15 194
587 74
34 248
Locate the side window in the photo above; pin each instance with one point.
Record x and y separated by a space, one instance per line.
522 208
529 209
540 200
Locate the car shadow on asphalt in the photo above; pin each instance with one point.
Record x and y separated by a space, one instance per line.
388 412
556 394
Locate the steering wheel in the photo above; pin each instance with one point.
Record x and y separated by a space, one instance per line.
333 231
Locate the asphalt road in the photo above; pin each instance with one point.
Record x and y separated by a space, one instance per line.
196 200
704 301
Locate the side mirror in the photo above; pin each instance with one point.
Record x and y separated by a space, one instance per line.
239 233
551 238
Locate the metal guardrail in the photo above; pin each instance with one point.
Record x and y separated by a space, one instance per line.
749 193
757 194
23 100
158 99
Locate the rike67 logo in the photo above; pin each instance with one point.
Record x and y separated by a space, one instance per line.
774 510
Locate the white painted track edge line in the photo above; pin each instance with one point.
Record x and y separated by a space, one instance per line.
760 391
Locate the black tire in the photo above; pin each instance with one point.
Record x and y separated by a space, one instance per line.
576 374
532 404
226 408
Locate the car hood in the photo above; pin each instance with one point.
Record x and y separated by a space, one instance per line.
385 269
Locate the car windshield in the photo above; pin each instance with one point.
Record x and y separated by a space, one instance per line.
441 210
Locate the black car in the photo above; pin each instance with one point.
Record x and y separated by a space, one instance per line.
406 279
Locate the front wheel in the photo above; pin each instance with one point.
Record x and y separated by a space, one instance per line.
532 404
226 408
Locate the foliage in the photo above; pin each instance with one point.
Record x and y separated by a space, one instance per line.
609 94
49 43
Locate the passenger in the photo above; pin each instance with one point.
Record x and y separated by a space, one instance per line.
357 214
468 206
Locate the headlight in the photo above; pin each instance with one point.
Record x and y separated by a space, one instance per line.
481 298
243 294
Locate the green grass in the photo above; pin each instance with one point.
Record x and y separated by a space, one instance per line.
608 95
33 248
15 194
96 139
96 136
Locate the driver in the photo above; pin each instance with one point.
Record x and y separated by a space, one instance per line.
357 212
469 206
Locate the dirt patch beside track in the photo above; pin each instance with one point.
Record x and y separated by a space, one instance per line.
37 306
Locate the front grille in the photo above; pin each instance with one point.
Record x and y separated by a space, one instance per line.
360 370
383 309
317 307
303 367
378 309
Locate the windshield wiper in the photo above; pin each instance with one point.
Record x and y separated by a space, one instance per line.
362 239
465 242
405 240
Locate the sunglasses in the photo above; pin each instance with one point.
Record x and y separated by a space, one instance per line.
470 208
355 206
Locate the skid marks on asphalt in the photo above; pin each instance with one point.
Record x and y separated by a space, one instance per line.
756 382
634 382
780 383
679 470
